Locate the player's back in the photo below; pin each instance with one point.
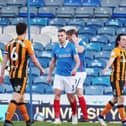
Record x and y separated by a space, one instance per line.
18 55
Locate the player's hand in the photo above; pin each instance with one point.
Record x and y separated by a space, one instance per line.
1 79
73 72
42 71
105 70
49 79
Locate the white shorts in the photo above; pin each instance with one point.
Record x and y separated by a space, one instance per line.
66 83
79 79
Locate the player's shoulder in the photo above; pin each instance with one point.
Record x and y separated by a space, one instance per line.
116 49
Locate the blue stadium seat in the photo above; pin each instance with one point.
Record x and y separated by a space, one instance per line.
14 21
53 2
94 47
108 47
87 30
72 2
76 22
119 12
16 2
8 88
106 31
38 46
115 23
96 64
121 30
35 72
50 46
89 55
103 81
110 3
83 12
3 3
92 72
88 81
100 39
37 3
39 21
6 80
67 12
23 12
58 22
38 89
96 23
108 90
103 55
103 12
4 21
49 89
91 3
122 3
47 12
94 90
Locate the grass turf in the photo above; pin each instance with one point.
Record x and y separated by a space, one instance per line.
63 124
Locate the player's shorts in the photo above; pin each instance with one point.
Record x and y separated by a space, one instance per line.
79 79
64 83
19 84
118 87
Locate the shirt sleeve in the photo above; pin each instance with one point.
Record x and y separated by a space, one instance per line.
83 43
114 53
30 48
53 52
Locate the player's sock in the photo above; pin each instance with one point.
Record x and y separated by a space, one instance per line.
23 110
74 106
83 106
11 110
57 108
122 112
107 108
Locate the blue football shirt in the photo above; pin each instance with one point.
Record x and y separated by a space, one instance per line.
64 58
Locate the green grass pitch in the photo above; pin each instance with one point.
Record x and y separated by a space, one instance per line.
63 124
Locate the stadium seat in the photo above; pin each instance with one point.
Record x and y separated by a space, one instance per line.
108 90
91 3
7 80
103 55
100 39
94 90
3 3
38 46
122 3
121 30
87 30
72 2
5 38
35 29
51 31
106 30
119 12
110 3
47 12
83 12
10 30
59 22
49 90
96 23
4 21
8 88
115 23
35 72
108 47
38 89
14 21
103 81
23 12
53 2
65 12
39 21
76 22
2 46
37 3
94 47
16 2
89 55
103 12
9 11
92 72
88 81
49 47
42 38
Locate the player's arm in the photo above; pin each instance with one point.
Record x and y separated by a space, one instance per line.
51 68
77 64
79 48
37 64
5 59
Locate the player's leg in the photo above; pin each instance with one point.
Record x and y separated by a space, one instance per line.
80 78
120 98
70 89
58 87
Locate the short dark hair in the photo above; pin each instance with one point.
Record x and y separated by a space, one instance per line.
118 38
62 30
21 28
72 31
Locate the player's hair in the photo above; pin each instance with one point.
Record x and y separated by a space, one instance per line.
72 31
62 30
118 38
21 28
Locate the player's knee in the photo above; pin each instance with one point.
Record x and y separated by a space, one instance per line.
121 99
17 97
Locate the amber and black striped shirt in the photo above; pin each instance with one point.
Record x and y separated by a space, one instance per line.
18 51
119 64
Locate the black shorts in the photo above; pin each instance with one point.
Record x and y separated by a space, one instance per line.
19 84
118 87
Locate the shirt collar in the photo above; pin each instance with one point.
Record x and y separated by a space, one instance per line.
64 45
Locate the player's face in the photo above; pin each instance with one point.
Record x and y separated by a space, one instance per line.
71 38
122 42
62 37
